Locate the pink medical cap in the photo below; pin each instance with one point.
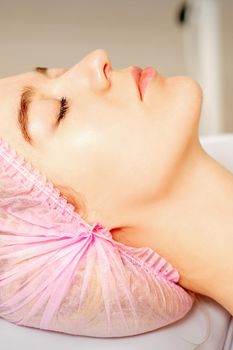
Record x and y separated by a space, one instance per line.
59 273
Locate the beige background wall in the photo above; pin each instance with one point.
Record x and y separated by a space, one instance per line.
58 33
227 60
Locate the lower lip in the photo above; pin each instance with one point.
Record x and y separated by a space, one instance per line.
147 75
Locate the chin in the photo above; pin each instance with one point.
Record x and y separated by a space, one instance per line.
190 93
190 86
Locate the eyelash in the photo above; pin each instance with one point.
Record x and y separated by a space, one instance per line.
63 109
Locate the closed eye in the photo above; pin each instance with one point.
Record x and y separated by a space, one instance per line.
63 108
63 102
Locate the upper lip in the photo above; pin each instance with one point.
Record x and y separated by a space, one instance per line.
136 72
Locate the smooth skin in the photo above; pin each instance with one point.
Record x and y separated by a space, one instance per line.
137 164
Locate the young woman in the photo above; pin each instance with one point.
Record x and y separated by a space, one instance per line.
125 149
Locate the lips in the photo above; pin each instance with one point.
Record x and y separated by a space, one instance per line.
136 72
143 77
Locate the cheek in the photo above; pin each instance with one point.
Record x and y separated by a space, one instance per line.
120 163
109 161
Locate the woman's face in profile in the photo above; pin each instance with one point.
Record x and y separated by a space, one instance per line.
113 148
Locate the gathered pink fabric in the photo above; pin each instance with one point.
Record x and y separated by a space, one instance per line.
59 273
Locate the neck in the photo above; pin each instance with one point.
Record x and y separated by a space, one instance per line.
192 227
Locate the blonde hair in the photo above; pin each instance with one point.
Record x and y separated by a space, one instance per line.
73 197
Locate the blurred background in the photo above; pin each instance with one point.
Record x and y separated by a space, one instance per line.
192 37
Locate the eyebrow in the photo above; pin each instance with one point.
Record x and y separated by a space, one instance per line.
42 70
27 95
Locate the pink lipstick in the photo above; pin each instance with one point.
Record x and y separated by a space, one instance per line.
146 76
142 78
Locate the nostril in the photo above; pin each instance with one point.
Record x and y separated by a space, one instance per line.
106 69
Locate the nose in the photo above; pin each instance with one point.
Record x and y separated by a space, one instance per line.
93 70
